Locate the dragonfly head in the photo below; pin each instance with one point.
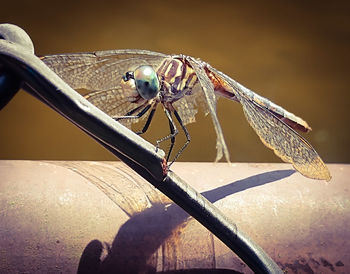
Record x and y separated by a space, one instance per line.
146 81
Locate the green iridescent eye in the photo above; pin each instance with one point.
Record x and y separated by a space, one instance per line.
146 81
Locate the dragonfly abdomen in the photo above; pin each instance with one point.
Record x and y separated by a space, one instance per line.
223 89
289 118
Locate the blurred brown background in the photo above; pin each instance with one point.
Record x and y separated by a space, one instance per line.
295 53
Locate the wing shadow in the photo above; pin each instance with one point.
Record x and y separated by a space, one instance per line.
244 184
134 247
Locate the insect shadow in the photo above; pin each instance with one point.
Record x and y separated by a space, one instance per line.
138 239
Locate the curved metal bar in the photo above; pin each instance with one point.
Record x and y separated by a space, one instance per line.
133 150
52 90
9 83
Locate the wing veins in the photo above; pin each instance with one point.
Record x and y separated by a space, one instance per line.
208 90
284 141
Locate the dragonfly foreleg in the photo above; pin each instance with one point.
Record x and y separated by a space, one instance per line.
148 122
130 115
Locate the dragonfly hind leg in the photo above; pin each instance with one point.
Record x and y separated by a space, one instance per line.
188 137
171 136
172 139
173 133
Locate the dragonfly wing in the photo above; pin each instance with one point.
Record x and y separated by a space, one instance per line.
101 74
99 70
231 89
187 106
275 133
284 141
209 94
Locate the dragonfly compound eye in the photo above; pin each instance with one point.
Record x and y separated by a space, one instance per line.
146 81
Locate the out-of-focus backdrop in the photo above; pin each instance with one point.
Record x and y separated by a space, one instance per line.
296 53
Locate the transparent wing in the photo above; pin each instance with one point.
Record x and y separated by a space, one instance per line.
101 70
188 106
209 95
101 74
277 135
285 142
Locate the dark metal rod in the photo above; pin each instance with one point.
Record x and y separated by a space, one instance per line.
129 147
46 85
210 217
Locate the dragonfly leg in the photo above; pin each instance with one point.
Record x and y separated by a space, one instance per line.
173 132
130 115
148 122
188 137
172 139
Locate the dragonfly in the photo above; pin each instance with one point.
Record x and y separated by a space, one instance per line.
129 84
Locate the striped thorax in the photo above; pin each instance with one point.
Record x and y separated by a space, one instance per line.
176 77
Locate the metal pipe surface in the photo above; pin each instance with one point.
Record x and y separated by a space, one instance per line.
61 217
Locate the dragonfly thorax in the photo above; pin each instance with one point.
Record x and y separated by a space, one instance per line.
177 79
